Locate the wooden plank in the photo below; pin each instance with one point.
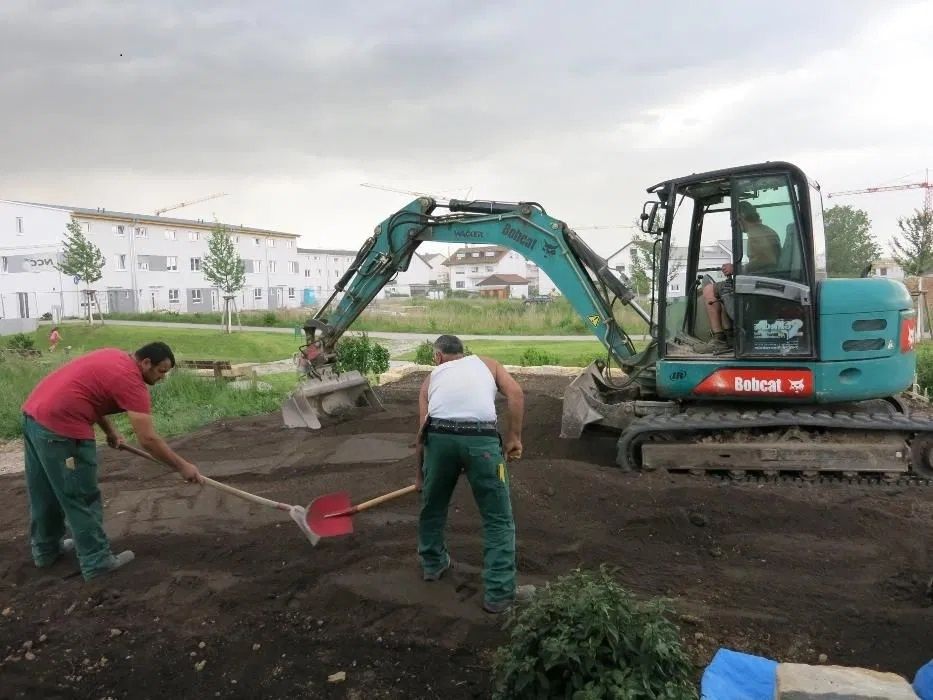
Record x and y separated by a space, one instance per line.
882 456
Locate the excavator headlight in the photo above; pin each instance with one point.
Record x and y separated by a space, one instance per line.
908 331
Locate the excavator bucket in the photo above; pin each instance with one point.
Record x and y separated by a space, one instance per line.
590 400
330 395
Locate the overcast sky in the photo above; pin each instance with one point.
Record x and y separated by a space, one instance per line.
289 105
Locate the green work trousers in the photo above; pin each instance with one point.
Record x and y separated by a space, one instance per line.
445 456
61 481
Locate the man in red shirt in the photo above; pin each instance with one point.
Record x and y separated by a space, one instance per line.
61 453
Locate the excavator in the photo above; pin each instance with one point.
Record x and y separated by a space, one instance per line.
810 380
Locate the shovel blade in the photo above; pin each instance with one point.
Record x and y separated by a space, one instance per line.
325 505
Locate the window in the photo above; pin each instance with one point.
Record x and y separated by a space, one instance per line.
289 244
291 292
141 232
170 236
307 273
460 256
257 293
474 269
460 272
270 242
173 296
675 287
272 266
257 266
85 228
490 254
475 255
319 270
119 230
4 265
142 264
171 263
490 268
121 262
19 224
195 264
194 236
236 239
768 230
883 271
196 296
293 268
126 295
256 241
461 284
336 260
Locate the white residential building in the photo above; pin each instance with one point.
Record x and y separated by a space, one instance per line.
471 265
153 263
887 267
321 269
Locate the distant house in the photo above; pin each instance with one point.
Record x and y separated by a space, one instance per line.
471 265
887 267
504 286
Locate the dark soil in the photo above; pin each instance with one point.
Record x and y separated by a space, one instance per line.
782 570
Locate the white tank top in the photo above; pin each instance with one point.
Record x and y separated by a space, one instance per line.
462 389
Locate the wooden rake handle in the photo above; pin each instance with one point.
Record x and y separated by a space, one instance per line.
245 495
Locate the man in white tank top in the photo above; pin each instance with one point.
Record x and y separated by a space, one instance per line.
459 433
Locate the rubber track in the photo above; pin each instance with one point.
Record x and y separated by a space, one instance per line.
645 427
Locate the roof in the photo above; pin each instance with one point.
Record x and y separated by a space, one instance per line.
499 251
326 251
100 213
502 280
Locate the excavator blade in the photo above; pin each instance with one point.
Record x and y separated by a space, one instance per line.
331 395
589 399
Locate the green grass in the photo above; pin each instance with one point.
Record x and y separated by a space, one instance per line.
575 353
186 343
464 316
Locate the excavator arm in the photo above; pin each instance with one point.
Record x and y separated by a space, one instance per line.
582 276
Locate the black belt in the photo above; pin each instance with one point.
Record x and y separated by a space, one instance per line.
459 427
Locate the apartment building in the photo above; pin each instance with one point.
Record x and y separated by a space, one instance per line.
321 269
471 265
153 263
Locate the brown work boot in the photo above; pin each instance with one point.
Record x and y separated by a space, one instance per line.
523 594
717 344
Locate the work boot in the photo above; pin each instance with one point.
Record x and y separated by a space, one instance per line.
68 545
439 574
717 344
522 595
116 561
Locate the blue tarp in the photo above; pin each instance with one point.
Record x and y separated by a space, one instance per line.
732 675
923 682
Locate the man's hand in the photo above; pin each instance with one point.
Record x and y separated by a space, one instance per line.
115 440
727 269
513 448
190 473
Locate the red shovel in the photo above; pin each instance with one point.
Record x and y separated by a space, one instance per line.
330 515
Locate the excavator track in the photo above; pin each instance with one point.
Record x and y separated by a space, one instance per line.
780 445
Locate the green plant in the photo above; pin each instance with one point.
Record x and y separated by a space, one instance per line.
533 357
269 319
586 637
424 354
20 342
362 354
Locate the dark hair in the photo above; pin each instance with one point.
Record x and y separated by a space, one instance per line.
748 212
155 352
449 345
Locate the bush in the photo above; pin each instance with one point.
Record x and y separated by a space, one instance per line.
532 357
21 341
363 355
925 366
585 636
269 319
424 354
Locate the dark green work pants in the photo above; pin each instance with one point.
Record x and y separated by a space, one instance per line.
61 480
445 456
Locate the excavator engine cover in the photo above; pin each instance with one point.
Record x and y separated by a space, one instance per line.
330 394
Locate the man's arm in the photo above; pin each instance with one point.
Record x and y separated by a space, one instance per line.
419 438
114 439
515 399
153 443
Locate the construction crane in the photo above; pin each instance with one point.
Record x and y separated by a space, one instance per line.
180 205
925 185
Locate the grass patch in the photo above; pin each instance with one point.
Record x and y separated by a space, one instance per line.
186 343
18 376
572 353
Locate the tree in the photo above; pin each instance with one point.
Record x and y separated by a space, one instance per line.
850 247
224 268
81 258
913 246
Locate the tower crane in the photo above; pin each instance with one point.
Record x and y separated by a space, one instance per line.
925 185
180 205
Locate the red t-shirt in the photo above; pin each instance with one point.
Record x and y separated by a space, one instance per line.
74 397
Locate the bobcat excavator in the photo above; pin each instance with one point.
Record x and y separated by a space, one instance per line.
808 384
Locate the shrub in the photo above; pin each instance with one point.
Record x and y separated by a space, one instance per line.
269 319
424 354
21 341
532 357
585 636
362 354
925 366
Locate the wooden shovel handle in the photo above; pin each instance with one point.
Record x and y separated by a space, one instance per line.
382 499
245 495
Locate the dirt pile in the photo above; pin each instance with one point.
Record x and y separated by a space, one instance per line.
229 600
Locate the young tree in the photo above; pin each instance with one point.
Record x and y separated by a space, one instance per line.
913 246
850 247
224 268
81 258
